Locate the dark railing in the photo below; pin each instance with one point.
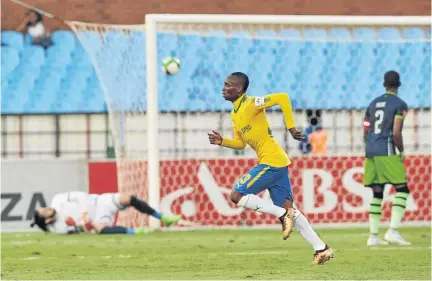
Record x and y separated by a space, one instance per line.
15 140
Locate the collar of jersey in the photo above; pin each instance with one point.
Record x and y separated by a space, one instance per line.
239 102
390 93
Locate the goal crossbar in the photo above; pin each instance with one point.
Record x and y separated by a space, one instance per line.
294 20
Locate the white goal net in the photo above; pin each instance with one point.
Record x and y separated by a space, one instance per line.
331 72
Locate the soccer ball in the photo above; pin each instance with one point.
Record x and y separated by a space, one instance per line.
171 65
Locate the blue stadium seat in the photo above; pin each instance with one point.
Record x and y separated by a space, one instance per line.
290 33
116 40
75 82
365 51
12 39
82 62
364 33
315 57
33 56
23 75
339 33
137 43
115 35
413 48
58 57
388 53
262 48
216 47
93 104
167 44
58 51
93 39
389 33
335 74
240 33
315 49
79 51
28 40
70 100
9 61
215 36
9 54
413 33
52 84
39 107
43 97
15 103
191 51
19 88
63 38
217 33
315 34
266 34
4 82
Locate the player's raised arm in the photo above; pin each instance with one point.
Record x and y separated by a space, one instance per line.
281 99
284 102
236 143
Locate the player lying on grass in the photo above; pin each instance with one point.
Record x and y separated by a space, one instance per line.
74 212
382 134
250 126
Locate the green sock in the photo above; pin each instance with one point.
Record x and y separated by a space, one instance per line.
375 215
398 209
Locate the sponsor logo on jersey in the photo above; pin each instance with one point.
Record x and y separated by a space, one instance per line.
259 101
245 129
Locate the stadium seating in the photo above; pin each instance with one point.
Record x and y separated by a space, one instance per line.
13 39
334 69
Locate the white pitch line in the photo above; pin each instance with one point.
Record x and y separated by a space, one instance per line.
402 248
69 241
31 258
21 235
257 253
399 248
21 242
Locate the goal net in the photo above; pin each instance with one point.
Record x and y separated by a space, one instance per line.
332 68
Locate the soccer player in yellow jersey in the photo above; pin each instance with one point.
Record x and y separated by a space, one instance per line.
250 126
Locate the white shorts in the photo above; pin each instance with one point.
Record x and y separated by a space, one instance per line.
105 208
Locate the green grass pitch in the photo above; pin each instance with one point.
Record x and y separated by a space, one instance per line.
212 254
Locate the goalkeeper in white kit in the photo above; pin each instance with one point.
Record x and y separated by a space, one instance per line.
75 212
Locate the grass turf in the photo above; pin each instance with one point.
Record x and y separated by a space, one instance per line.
213 254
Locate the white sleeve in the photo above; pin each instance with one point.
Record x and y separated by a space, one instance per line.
77 197
74 197
58 200
69 204
61 227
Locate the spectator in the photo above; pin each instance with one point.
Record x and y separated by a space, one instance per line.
33 25
304 145
318 141
315 141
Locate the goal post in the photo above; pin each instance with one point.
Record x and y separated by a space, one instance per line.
153 114
159 122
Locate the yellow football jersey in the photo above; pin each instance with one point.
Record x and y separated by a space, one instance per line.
250 126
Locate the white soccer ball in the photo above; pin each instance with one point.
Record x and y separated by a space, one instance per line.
171 65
